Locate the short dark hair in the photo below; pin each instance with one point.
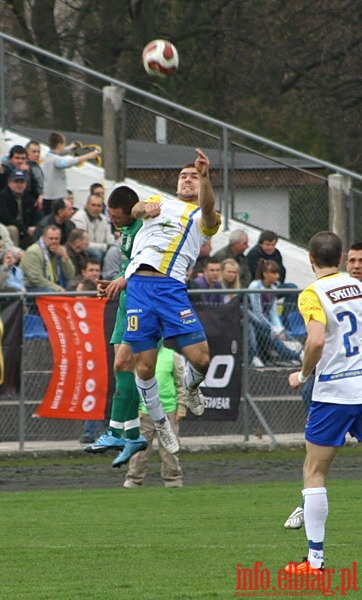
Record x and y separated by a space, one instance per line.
355 246
92 260
16 150
76 234
326 249
31 142
55 138
123 197
188 166
94 186
211 260
267 236
58 205
88 285
51 228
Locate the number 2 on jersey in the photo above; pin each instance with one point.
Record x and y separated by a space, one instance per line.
350 350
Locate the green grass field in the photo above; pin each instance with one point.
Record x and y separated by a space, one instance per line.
165 544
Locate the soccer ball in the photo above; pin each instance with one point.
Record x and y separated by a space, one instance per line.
160 58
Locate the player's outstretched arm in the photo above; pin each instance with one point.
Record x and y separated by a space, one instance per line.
206 195
146 210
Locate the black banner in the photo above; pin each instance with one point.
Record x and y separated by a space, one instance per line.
11 332
222 386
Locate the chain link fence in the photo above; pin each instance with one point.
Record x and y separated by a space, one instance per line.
268 406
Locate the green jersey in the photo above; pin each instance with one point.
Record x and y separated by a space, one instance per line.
128 235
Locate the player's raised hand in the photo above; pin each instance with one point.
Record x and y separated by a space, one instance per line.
202 163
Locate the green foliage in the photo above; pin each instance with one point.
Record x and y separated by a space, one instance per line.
285 70
159 543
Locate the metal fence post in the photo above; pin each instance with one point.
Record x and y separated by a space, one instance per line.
22 414
3 107
112 101
225 179
245 367
338 194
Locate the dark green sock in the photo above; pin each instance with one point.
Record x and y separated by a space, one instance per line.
125 403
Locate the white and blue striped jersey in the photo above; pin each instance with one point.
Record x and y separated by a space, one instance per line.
170 242
336 301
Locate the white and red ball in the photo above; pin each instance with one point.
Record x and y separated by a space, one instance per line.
160 58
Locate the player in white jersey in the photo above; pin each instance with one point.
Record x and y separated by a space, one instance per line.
332 311
354 269
169 241
158 307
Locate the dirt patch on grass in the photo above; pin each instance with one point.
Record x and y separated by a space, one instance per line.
76 471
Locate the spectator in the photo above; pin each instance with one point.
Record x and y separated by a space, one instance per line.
17 209
97 189
11 276
169 372
77 246
54 165
230 280
46 264
6 242
266 249
268 326
15 161
230 277
86 285
91 219
112 262
33 152
61 214
198 268
70 197
211 279
92 271
238 243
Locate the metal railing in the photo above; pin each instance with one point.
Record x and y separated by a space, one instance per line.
268 407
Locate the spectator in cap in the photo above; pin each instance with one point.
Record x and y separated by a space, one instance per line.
15 161
17 208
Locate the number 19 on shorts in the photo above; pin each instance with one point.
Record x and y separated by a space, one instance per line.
132 323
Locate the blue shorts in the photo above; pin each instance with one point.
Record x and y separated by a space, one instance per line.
156 308
328 424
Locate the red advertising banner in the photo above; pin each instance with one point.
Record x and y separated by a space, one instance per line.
79 382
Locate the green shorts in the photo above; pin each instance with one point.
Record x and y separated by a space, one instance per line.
120 324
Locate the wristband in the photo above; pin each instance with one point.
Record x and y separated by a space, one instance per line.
301 378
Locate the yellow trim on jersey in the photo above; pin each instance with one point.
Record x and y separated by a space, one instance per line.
157 198
210 232
176 241
310 306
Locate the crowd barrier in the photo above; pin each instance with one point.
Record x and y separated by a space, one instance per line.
240 399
